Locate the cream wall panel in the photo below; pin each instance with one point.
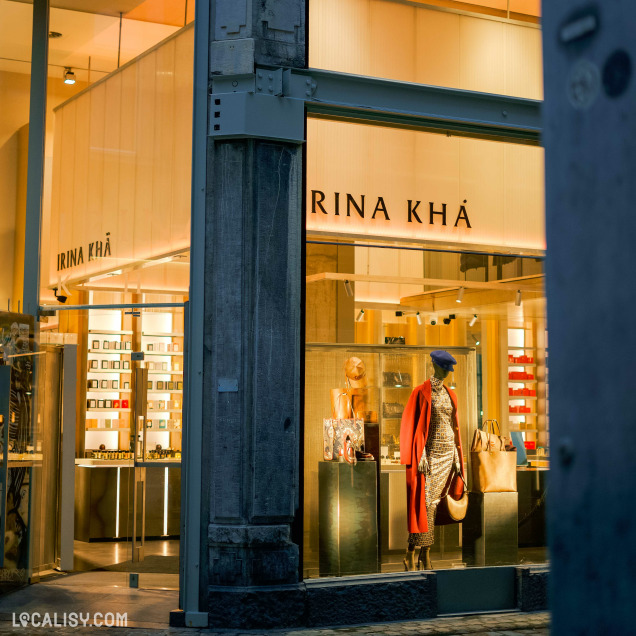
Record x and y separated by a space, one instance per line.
67 176
398 41
144 191
122 163
180 220
437 55
482 52
523 62
164 147
127 173
112 162
391 23
97 146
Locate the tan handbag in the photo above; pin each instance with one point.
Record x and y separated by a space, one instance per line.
340 404
494 469
451 510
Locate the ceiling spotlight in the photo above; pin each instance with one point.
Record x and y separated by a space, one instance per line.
518 298
460 295
446 321
418 318
473 320
348 288
360 316
475 339
69 76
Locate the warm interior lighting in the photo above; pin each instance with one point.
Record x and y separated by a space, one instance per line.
460 295
348 288
360 316
418 318
69 76
475 339
518 298
473 320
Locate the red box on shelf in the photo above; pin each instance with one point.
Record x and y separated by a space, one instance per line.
511 358
533 393
530 445
514 409
124 404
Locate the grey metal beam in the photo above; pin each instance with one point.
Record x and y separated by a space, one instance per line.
372 100
192 549
35 165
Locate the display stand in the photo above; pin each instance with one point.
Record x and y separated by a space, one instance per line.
348 518
489 531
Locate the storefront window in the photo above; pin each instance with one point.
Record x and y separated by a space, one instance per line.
418 242
107 383
491 47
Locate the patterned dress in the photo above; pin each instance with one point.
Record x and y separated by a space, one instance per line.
441 453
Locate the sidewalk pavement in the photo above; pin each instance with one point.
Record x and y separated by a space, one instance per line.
505 624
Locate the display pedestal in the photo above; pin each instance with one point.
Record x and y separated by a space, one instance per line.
348 518
489 531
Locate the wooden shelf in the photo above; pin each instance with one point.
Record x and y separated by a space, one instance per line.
104 332
155 372
108 430
522 348
125 371
166 391
163 430
521 414
108 390
522 381
163 353
522 397
175 334
108 352
110 410
522 364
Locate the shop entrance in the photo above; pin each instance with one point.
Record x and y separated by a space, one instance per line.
128 441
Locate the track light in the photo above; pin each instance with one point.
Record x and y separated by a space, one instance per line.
475 339
348 288
518 298
69 76
473 320
360 316
460 295
418 318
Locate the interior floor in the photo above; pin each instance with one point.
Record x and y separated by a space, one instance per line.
109 562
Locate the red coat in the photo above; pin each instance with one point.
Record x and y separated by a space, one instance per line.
416 421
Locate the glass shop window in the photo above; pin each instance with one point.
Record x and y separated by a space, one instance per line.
384 292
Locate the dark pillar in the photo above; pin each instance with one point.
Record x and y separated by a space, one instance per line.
590 140
252 337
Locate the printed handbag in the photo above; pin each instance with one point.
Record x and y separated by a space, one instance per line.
493 461
336 432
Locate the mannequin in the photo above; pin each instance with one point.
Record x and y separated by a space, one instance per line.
429 439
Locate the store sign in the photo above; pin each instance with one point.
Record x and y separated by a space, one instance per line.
410 208
75 256
380 183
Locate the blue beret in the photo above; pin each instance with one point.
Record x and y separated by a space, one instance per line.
443 360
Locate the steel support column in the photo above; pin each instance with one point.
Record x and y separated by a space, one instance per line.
35 169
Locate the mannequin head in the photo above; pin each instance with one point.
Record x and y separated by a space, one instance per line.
439 373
